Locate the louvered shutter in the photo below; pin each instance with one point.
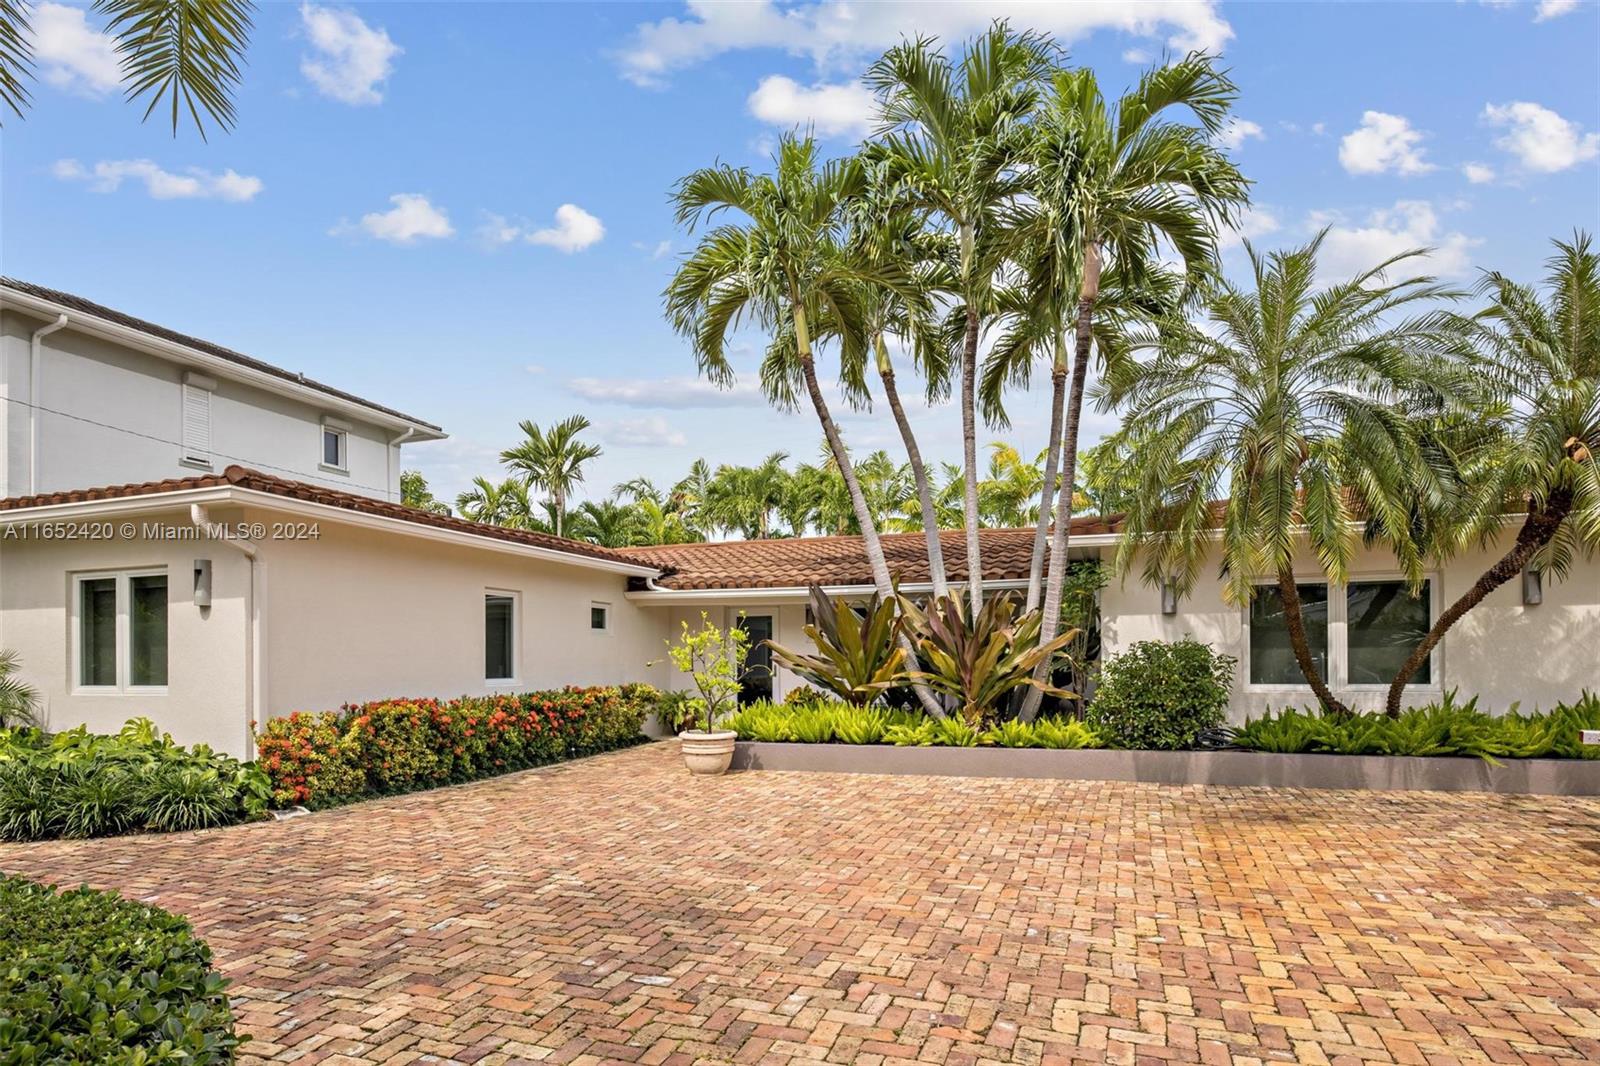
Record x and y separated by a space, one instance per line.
196 424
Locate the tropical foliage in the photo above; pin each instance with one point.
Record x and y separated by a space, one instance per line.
1162 695
714 659
857 656
19 701
844 723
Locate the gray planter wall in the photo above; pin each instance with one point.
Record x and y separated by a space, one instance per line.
1555 777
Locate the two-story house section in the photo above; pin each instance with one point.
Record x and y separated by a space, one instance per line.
92 396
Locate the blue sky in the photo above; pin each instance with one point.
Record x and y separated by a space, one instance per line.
460 210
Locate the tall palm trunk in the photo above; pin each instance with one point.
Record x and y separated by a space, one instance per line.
560 500
919 472
1538 529
881 579
969 431
1051 609
1294 621
1058 396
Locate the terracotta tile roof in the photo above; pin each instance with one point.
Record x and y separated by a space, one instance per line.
121 318
244 478
757 564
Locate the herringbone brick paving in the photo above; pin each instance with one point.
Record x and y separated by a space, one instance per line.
616 910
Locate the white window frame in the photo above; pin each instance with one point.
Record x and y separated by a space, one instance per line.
124 633
604 630
341 430
1338 677
516 638
201 390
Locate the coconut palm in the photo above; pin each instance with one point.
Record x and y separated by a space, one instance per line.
1108 188
1537 449
784 263
954 136
1295 404
552 461
185 52
504 504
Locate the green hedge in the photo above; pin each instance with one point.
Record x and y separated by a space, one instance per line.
400 745
1449 727
89 978
82 784
825 722
1162 696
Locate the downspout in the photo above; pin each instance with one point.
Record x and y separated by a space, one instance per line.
35 347
388 461
255 619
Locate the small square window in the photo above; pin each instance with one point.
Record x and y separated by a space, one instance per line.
599 616
335 444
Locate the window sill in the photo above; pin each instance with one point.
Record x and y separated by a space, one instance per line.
112 690
197 464
343 471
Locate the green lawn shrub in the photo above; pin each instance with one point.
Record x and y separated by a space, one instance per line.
1161 695
89 978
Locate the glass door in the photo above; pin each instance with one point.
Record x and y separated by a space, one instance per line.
756 683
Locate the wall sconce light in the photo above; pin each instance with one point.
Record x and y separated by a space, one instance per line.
202 582
1532 587
1169 596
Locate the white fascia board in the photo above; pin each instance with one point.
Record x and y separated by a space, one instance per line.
267 501
669 597
214 364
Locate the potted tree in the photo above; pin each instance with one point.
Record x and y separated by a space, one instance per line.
714 659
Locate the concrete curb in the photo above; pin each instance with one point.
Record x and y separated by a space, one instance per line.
1544 777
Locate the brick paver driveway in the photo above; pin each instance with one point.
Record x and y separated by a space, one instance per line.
617 910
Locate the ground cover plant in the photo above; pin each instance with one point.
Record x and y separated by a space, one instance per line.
399 745
81 784
824 722
88 977
1449 727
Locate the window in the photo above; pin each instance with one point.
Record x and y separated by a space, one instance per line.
1272 659
122 631
196 427
335 448
1385 623
499 636
600 617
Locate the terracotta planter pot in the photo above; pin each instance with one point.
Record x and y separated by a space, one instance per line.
707 753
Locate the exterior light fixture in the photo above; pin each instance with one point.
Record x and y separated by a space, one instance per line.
1169 596
202 582
1532 587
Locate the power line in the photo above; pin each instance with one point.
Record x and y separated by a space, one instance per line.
252 463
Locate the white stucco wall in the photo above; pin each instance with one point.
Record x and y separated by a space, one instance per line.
205 699
1501 651
101 384
788 629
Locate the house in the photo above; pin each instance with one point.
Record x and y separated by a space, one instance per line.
195 535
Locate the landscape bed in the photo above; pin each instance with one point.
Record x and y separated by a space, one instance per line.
1549 777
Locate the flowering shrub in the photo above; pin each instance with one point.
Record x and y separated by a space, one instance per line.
398 745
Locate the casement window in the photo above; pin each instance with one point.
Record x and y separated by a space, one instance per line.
1359 634
335 448
196 421
600 617
120 631
499 636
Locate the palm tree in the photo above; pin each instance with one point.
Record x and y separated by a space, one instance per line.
1112 186
1295 404
1006 496
743 497
690 493
784 263
552 462
505 504
19 701
954 135
187 52
607 523
1537 449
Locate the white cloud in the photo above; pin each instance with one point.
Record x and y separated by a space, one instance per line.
831 110
1137 55
412 217
193 184
668 393
1382 143
834 32
1554 9
575 230
1236 131
1541 139
353 60
652 432
1349 249
1478 173
661 250
71 54
1257 221
1319 128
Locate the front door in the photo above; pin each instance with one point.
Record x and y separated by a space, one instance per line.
756 683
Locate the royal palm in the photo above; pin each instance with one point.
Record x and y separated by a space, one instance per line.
552 461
